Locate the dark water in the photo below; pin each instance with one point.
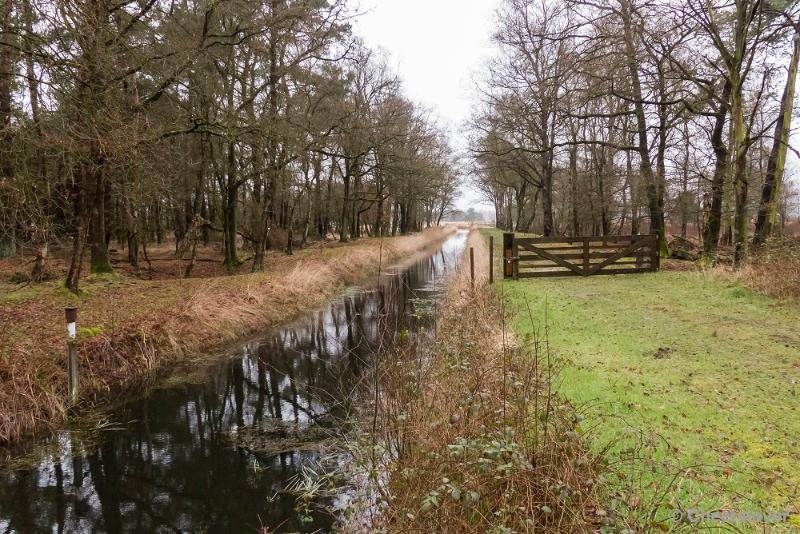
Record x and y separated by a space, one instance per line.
171 466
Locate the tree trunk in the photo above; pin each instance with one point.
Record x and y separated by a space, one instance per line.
685 183
232 184
345 220
740 175
713 224
99 261
42 233
6 81
326 219
39 272
355 214
601 191
395 217
547 173
771 191
78 237
654 190
573 190
229 227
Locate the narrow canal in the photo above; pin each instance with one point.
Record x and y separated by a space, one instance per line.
171 461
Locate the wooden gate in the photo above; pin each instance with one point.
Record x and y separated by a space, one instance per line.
534 257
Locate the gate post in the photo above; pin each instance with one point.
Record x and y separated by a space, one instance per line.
655 261
491 259
508 255
586 261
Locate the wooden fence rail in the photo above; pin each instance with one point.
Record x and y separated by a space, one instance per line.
538 257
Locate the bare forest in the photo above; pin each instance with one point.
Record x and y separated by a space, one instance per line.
252 124
621 116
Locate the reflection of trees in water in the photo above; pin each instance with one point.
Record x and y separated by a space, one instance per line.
172 467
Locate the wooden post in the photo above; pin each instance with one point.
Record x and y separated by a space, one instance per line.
72 354
508 254
586 262
515 259
472 266
656 258
641 252
491 259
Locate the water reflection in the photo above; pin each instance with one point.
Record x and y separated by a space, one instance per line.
172 469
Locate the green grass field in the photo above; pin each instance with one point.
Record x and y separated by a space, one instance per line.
690 382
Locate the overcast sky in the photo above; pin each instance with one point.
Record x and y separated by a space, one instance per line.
438 48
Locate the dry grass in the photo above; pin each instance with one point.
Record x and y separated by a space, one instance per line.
774 271
225 309
471 438
140 325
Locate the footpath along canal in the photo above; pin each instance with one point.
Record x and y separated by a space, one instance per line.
182 458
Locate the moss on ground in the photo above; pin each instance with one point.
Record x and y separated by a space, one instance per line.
677 373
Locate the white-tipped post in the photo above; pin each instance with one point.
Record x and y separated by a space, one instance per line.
72 354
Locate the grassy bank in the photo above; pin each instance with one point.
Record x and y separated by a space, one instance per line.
689 381
471 438
130 327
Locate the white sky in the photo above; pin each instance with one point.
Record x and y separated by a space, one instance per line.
438 48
